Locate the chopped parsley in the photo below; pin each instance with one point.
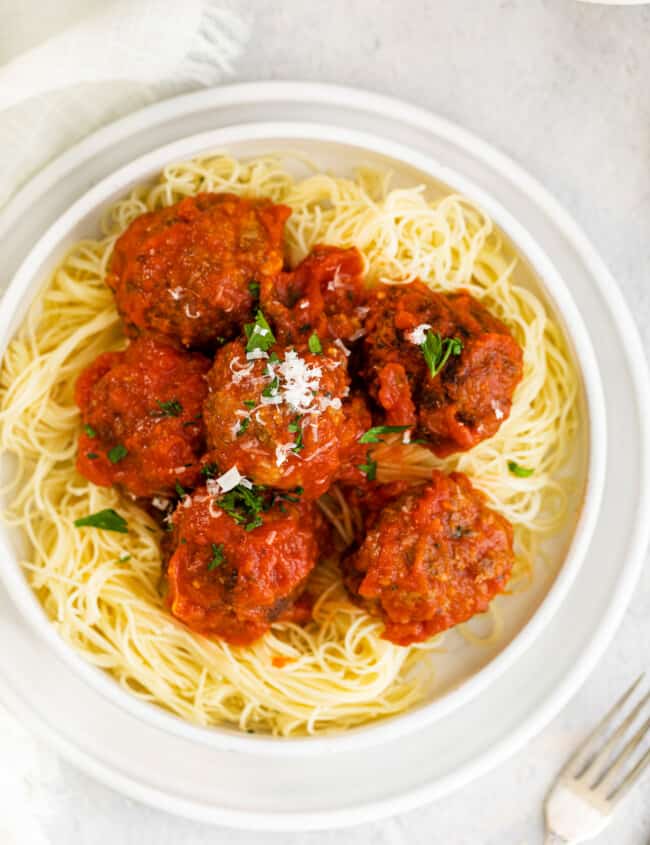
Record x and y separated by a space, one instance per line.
274 358
172 408
254 288
117 453
243 425
370 468
92 455
295 428
210 470
372 435
519 471
436 351
249 403
123 558
292 496
90 431
272 388
244 506
314 344
259 334
218 556
108 519
180 490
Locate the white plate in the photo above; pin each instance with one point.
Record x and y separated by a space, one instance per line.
252 790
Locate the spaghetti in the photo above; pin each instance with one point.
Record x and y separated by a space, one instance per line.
101 590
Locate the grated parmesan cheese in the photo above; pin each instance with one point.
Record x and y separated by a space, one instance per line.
418 335
282 451
299 381
240 373
230 479
256 354
498 413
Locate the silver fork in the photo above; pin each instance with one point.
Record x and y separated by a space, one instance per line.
593 783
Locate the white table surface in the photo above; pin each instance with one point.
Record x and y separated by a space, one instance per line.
564 88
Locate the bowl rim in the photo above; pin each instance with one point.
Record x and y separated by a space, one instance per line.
223 737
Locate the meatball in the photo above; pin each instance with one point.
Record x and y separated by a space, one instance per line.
281 419
470 394
431 559
231 582
323 294
141 414
191 271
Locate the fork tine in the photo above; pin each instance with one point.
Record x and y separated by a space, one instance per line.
601 758
631 779
574 764
631 746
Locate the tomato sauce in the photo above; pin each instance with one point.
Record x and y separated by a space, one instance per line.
232 583
324 294
432 558
142 418
277 444
470 397
192 271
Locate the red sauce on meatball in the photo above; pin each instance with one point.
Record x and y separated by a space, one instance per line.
189 271
470 397
283 421
432 558
232 583
141 410
323 294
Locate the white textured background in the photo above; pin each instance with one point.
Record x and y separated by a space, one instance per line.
564 88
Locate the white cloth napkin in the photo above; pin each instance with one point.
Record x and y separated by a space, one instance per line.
115 58
96 61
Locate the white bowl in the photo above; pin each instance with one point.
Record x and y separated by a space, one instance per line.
463 675
340 150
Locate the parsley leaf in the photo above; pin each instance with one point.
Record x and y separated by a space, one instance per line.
210 471
372 435
519 471
180 490
436 351
243 425
254 288
244 506
295 428
249 403
107 519
117 453
90 431
370 468
292 496
314 344
218 556
172 408
272 388
259 334
92 455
